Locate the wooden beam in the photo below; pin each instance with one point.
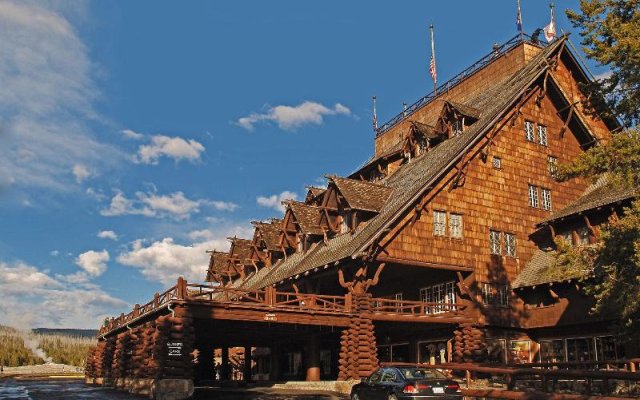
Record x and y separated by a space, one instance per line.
416 263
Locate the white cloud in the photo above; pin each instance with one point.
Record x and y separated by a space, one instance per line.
293 117
108 235
32 298
275 200
166 260
150 204
93 262
46 101
129 134
80 172
54 253
172 147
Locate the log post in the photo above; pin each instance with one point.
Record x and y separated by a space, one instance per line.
358 350
313 359
246 372
224 367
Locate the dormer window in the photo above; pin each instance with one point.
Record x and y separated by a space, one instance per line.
457 126
347 222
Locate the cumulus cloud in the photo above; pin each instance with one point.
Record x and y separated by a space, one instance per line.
150 204
80 172
176 148
275 200
165 260
293 117
108 235
47 100
33 298
93 262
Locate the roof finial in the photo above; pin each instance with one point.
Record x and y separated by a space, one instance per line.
375 117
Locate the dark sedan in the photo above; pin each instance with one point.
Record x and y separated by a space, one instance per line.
400 383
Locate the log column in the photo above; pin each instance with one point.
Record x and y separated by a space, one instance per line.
358 351
224 365
246 372
274 367
313 358
205 366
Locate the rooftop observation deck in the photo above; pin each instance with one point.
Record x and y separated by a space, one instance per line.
497 51
269 305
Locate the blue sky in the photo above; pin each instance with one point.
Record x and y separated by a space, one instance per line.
136 135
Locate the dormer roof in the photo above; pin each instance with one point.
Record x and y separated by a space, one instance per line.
217 264
305 216
240 250
362 195
269 233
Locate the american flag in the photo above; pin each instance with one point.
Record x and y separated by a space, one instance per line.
432 62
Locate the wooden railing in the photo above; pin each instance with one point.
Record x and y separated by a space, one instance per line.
411 307
269 298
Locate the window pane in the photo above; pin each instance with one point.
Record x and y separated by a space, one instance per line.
494 242
439 223
583 236
497 162
533 196
546 199
529 131
510 244
552 164
552 351
542 135
455 225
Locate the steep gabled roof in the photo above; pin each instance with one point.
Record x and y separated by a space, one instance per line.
600 194
362 195
240 250
269 232
413 179
217 264
306 216
543 268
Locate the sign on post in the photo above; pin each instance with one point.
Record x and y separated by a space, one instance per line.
174 349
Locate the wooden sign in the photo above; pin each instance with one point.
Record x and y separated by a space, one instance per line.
174 349
270 317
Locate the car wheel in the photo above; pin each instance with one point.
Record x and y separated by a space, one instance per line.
393 397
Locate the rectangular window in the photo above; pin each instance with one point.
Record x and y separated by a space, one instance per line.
495 295
442 293
529 131
533 196
542 135
510 244
552 164
497 162
455 226
439 223
494 243
552 351
521 351
546 199
580 349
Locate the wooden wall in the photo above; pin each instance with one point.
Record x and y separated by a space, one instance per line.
496 199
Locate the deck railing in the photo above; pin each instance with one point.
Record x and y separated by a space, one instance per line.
270 299
411 307
495 53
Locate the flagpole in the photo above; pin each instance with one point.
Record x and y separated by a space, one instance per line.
433 58
375 117
519 22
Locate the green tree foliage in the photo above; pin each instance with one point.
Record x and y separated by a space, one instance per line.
610 31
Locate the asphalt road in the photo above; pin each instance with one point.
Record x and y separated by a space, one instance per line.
73 389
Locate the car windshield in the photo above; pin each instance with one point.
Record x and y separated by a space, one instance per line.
419 373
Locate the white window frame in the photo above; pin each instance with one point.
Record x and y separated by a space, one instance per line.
439 223
499 299
510 245
543 138
534 201
455 228
530 131
546 199
552 165
495 245
443 293
497 163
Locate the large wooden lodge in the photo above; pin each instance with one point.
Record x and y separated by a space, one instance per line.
457 208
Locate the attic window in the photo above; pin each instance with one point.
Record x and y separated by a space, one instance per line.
457 126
